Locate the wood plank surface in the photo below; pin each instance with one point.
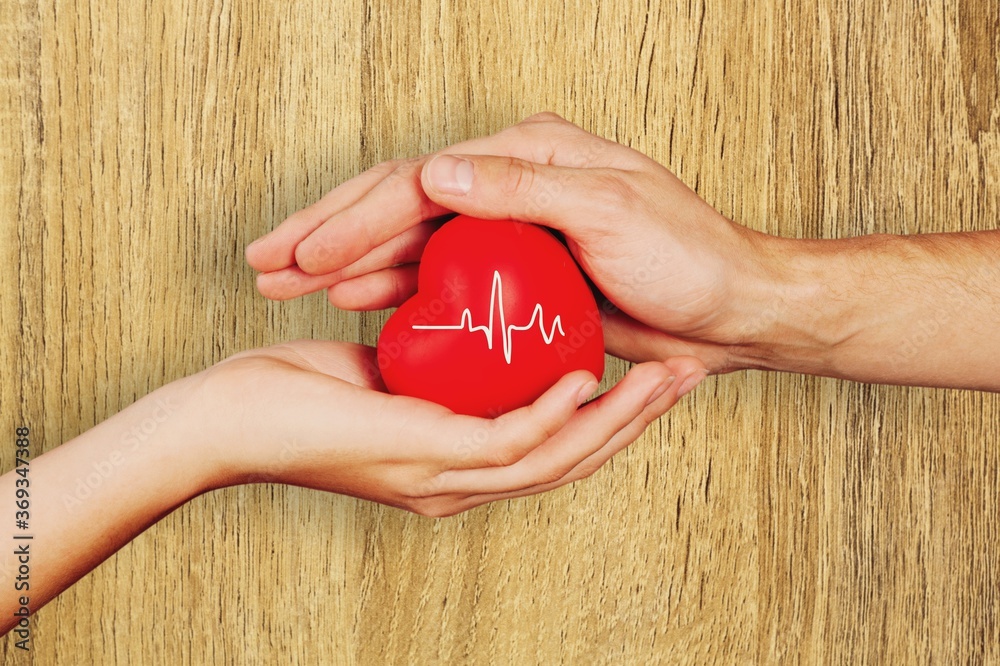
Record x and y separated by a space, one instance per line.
768 518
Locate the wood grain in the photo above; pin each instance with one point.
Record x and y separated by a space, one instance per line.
768 518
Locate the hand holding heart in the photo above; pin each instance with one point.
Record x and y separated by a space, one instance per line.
651 246
315 414
686 279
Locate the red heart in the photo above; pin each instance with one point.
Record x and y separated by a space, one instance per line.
445 345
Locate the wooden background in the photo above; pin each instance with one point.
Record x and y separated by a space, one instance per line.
767 518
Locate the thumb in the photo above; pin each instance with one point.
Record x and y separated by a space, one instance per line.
496 188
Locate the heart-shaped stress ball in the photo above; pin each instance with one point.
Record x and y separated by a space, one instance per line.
501 313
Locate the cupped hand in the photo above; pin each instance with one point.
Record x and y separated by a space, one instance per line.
681 275
315 414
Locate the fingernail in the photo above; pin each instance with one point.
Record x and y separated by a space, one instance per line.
691 382
585 392
255 242
660 390
449 174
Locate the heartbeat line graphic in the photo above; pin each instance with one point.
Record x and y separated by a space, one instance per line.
496 303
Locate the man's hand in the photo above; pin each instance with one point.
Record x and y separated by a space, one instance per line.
892 309
656 250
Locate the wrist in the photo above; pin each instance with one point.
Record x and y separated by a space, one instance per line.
178 422
878 308
795 310
243 440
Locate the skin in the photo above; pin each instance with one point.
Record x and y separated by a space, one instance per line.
916 310
695 293
304 413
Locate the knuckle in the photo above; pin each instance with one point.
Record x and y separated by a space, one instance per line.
426 489
410 166
520 177
525 132
419 507
544 116
406 167
309 257
386 166
432 507
395 285
543 430
552 476
504 456
612 192
397 250
361 223
512 447
426 209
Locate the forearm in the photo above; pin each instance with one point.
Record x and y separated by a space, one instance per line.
92 495
918 310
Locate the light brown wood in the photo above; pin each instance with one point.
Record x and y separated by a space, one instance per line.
767 518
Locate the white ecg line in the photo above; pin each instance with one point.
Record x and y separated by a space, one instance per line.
497 295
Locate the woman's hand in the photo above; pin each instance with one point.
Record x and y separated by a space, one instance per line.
315 414
311 414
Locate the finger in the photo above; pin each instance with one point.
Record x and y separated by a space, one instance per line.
585 468
389 198
547 138
375 291
516 433
470 442
565 198
689 371
276 249
589 430
292 282
393 205
685 368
